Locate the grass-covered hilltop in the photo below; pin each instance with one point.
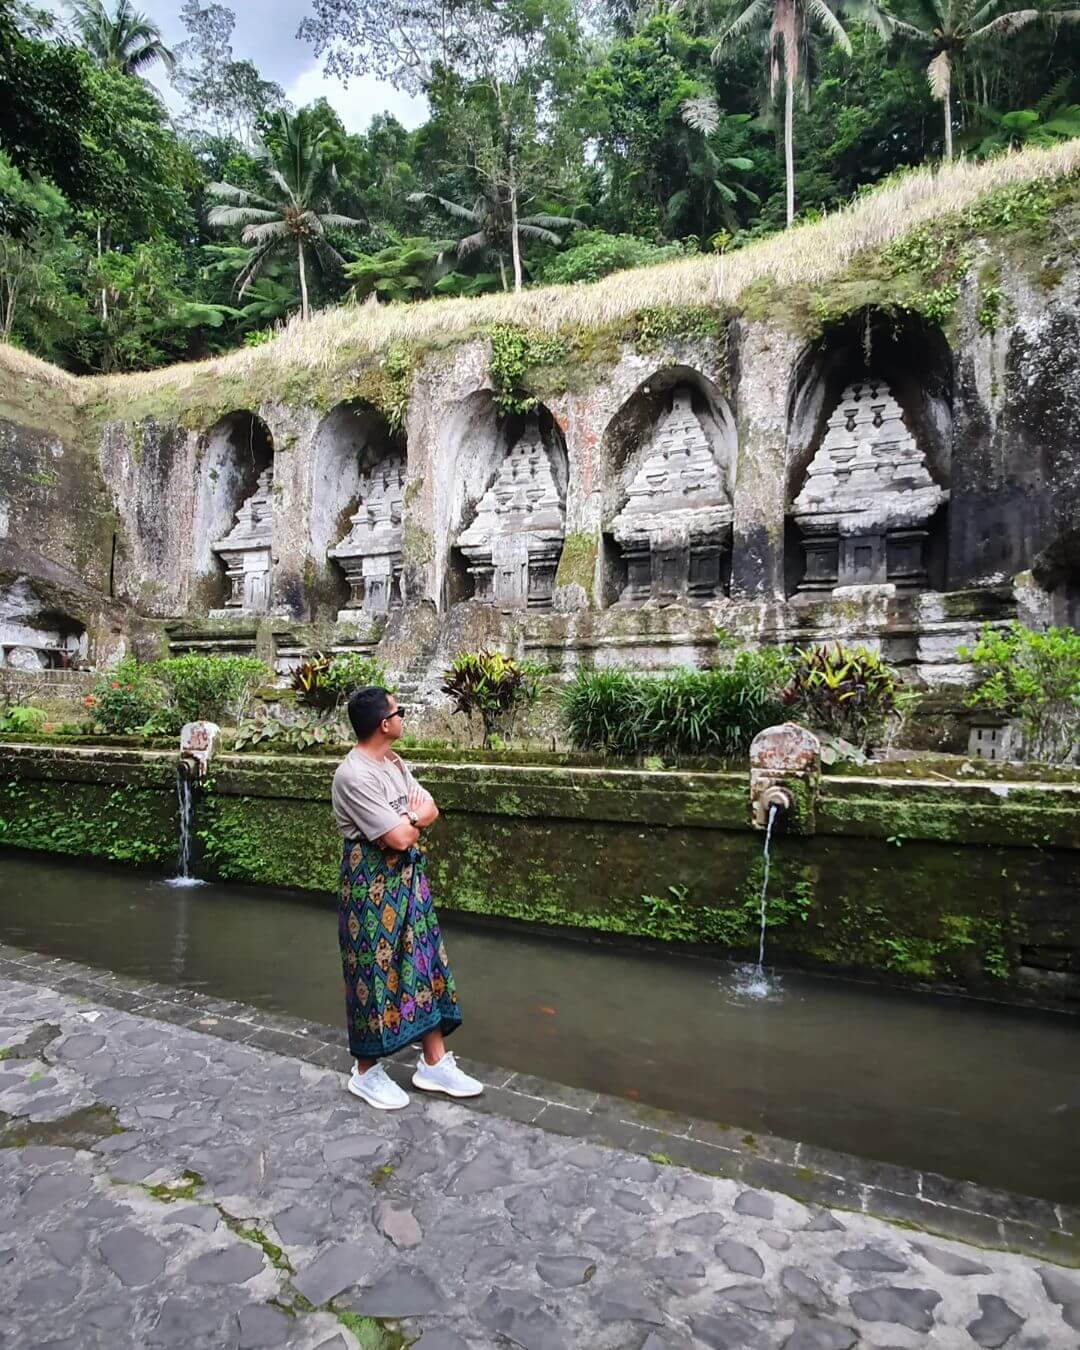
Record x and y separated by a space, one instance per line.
905 247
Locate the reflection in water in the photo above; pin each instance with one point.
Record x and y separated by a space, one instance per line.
946 1084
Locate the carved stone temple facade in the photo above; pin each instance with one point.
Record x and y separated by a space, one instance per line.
514 544
868 497
676 524
370 554
246 553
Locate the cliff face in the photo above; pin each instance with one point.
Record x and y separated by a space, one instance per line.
113 492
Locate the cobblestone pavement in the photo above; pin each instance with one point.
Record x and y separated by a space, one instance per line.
162 1187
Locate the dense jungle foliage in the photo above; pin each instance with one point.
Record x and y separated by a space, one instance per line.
566 139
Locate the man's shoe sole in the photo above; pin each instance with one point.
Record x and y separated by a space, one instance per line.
449 1092
378 1106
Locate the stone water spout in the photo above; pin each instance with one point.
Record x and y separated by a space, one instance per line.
785 772
198 741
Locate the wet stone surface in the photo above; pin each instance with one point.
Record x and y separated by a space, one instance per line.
248 1201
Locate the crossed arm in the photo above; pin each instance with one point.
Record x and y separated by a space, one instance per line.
403 836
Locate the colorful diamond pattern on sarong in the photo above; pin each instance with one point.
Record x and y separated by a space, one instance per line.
398 983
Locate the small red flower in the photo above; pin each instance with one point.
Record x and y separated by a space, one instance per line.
116 684
88 701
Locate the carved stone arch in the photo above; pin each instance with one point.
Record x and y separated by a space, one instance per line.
670 458
235 470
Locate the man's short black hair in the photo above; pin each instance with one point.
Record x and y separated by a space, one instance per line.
367 708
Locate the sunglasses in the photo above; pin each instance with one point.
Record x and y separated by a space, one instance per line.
398 712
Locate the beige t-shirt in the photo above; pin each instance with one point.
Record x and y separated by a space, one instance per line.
370 796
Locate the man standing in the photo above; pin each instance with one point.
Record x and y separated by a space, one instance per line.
398 985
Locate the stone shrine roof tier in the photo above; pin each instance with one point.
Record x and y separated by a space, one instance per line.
680 487
523 498
376 526
254 520
869 474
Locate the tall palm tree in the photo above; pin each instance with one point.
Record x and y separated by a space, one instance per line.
953 27
496 226
125 40
293 211
787 28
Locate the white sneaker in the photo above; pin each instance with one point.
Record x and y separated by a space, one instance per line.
377 1088
445 1077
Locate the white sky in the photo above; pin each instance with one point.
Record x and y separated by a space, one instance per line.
265 33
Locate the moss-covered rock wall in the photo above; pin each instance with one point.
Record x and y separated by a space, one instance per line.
964 885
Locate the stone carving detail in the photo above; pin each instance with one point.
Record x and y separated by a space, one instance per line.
514 544
867 498
245 551
370 554
676 524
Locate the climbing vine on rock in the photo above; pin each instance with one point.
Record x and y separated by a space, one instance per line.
514 352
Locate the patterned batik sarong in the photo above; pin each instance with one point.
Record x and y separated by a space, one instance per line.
398 983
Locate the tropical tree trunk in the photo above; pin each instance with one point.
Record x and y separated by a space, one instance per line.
303 282
947 103
502 271
789 142
515 242
104 298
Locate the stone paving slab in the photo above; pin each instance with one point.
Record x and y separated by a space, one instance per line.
808 1173
160 1186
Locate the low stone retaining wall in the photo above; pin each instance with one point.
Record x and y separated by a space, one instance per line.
963 884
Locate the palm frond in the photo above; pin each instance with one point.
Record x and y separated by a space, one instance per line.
536 232
255 235
550 222
939 75
334 222
832 26
239 217
756 12
472 243
226 192
1005 25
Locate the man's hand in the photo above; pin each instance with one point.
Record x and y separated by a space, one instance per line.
422 804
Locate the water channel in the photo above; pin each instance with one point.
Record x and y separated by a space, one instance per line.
951 1085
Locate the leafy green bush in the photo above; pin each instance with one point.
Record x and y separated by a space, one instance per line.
495 686
349 671
593 254
212 688
22 717
698 712
299 734
323 681
1034 677
125 698
846 692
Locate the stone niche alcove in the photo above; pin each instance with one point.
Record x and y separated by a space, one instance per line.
233 527
507 514
670 453
1057 571
357 500
34 635
870 429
